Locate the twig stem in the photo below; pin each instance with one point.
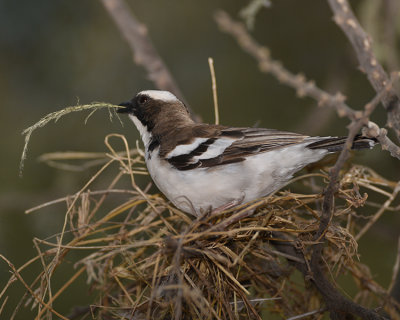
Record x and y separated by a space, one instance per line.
214 89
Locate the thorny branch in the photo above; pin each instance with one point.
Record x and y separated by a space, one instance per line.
338 305
298 82
362 44
268 65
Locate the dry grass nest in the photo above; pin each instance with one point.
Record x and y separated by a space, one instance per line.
145 259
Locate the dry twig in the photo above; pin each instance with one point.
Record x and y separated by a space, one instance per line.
214 89
303 86
362 45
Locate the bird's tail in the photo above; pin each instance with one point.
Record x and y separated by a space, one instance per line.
335 144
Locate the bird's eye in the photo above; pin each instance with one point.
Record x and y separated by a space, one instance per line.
143 99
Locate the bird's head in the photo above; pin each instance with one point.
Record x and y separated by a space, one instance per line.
155 109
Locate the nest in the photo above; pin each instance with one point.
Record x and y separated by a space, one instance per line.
148 260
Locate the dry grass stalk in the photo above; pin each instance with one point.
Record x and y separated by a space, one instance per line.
55 116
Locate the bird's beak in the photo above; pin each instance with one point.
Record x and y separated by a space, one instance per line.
126 107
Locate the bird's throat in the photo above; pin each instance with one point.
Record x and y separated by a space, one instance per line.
144 133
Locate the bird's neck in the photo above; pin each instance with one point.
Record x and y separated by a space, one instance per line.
161 130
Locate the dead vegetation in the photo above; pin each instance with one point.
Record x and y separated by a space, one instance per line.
147 260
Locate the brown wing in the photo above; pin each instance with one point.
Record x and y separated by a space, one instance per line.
222 145
255 140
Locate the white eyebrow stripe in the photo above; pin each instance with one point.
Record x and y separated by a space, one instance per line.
185 148
160 95
215 149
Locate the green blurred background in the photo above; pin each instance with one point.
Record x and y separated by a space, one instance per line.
55 53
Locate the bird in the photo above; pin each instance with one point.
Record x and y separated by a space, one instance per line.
203 167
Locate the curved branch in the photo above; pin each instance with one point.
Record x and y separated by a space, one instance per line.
362 45
306 87
266 64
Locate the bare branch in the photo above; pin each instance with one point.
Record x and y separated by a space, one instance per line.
143 50
394 287
306 87
337 304
372 130
387 144
362 44
298 82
